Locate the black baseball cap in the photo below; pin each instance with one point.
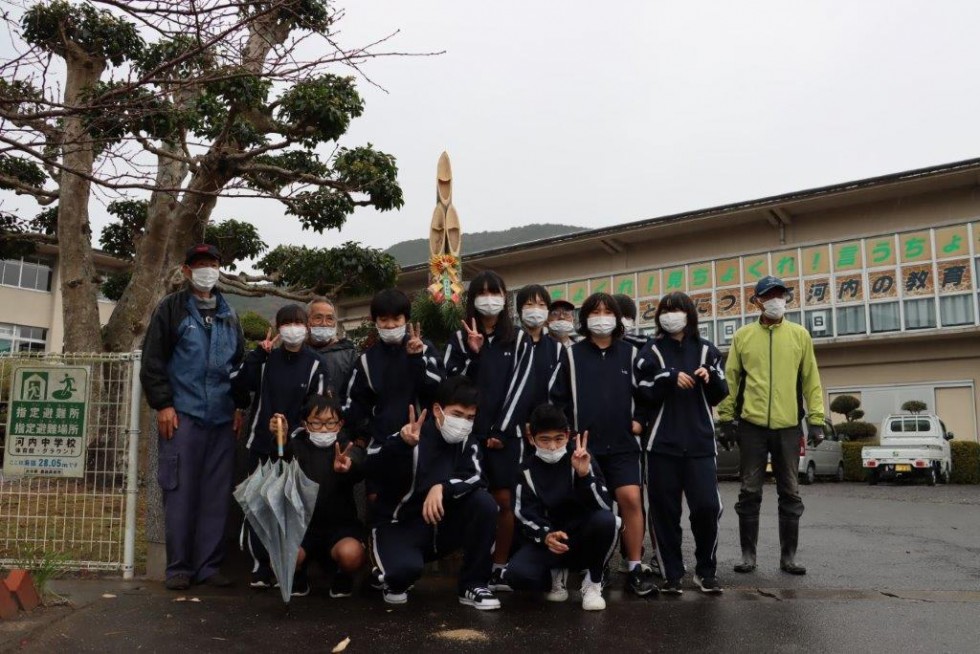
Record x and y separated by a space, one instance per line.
768 283
201 250
561 304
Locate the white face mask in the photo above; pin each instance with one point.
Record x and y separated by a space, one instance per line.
323 438
455 430
292 335
628 324
204 279
534 317
489 305
774 308
561 327
673 321
392 336
323 334
549 456
602 325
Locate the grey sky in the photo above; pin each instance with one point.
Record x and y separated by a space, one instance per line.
600 113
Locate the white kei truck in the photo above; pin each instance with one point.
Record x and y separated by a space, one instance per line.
912 445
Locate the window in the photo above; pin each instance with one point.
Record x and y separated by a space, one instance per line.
920 314
793 316
820 323
20 338
850 320
885 318
707 330
956 310
727 329
34 274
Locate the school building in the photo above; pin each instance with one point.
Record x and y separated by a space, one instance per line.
883 271
31 312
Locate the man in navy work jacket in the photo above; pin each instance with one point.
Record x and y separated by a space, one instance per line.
192 345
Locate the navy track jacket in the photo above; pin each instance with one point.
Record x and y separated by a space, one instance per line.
502 373
552 497
546 354
335 505
280 381
595 389
682 421
385 381
403 475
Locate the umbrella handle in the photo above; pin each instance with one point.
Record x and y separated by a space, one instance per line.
280 437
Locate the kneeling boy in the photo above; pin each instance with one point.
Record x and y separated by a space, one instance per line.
563 507
335 536
432 499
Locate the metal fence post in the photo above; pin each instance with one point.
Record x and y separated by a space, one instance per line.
132 468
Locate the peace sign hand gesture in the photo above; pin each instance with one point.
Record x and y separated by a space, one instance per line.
269 341
341 460
581 459
411 432
414 343
473 336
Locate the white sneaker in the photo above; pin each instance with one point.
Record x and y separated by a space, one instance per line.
592 596
559 590
395 598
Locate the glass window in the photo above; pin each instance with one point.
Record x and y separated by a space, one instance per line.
820 323
850 320
11 273
727 329
793 316
884 317
920 314
707 329
956 310
28 275
32 273
21 338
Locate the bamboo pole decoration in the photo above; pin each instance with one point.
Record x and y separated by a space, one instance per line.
445 239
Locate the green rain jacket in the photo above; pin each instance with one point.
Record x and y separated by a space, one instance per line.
772 372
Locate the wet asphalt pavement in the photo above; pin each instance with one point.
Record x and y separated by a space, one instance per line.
890 568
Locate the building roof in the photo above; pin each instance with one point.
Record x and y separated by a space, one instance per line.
948 175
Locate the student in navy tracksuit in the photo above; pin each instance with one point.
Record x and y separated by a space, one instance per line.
533 302
595 385
630 334
498 357
680 377
565 513
432 499
280 378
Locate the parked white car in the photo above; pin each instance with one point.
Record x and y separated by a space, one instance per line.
911 446
823 460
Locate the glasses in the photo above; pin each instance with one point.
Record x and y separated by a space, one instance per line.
316 425
561 313
549 441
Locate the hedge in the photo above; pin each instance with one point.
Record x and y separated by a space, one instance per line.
856 430
966 461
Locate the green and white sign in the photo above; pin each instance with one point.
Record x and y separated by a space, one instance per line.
46 419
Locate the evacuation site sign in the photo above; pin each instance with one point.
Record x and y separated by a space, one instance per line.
46 420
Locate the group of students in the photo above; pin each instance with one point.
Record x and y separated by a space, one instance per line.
527 446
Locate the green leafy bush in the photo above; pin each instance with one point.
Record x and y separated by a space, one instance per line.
845 405
914 406
256 327
853 471
966 462
856 431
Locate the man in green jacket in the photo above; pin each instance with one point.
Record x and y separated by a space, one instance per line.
772 372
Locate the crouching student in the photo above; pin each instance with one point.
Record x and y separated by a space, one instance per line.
432 499
335 537
564 508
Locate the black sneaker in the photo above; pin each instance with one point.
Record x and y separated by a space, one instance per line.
376 579
655 567
178 582
641 582
263 578
342 585
672 587
497 583
218 580
301 584
480 598
708 585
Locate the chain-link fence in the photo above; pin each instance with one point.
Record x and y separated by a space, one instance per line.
88 522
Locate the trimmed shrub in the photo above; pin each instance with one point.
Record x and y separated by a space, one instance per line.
256 327
914 406
844 405
852 459
966 462
857 431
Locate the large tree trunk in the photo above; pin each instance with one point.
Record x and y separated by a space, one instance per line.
152 262
78 278
197 202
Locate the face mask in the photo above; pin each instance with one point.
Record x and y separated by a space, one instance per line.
673 321
323 438
204 279
455 430
549 456
534 317
489 305
323 334
628 324
561 327
602 325
774 308
392 336
292 335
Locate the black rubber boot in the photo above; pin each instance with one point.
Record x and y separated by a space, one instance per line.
748 533
789 538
